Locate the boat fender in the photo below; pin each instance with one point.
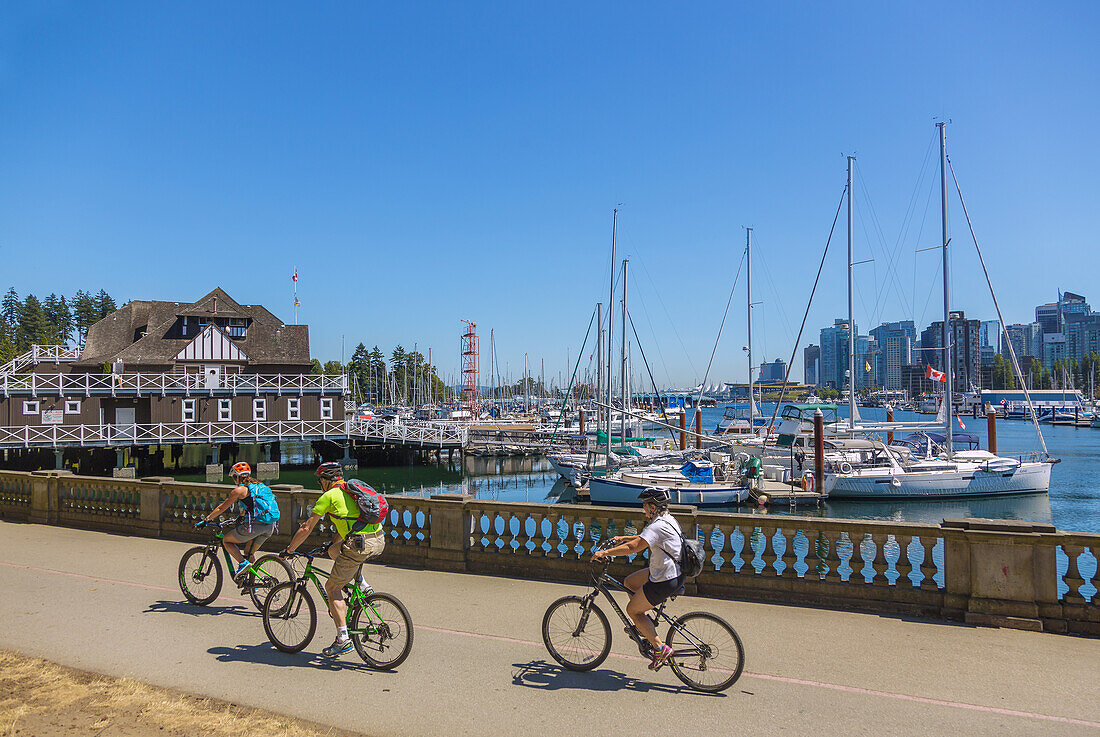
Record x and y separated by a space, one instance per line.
808 482
895 482
845 467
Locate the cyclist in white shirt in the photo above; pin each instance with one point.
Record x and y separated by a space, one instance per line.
651 586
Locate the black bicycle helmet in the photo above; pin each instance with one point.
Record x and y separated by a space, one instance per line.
656 494
331 471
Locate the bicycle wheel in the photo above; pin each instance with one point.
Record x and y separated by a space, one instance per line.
707 653
572 637
274 571
200 575
290 617
382 631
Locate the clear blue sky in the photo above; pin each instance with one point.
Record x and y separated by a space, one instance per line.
423 163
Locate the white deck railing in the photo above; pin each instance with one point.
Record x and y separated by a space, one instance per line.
146 384
440 434
40 354
57 436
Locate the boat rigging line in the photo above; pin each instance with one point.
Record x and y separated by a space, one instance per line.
806 314
656 391
718 338
565 399
988 281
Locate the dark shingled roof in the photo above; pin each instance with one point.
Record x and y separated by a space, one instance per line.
119 336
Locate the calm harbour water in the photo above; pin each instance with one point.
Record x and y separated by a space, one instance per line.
1072 504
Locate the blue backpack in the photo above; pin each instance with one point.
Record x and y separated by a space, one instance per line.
260 505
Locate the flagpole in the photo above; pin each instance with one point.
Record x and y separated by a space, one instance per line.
295 280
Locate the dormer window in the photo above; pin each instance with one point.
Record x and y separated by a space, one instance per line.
237 327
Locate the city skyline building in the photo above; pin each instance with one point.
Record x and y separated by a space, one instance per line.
811 364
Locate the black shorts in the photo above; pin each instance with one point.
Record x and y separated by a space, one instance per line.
656 592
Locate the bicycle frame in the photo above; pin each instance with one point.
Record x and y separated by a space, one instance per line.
605 583
358 598
217 543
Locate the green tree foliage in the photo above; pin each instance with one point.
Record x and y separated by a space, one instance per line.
104 305
34 326
7 348
9 314
60 319
1003 377
315 367
333 367
84 314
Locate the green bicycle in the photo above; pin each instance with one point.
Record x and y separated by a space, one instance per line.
378 624
200 571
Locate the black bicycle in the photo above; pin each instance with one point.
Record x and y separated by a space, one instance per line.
379 624
200 571
707 653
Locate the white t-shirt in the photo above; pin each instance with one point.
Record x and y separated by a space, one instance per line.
663 536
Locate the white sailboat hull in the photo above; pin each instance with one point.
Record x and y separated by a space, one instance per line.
966 480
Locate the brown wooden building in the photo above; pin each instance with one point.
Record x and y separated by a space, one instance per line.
153 362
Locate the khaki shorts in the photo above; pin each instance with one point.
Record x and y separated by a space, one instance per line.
351 557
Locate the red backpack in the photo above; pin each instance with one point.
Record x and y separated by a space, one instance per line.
373 507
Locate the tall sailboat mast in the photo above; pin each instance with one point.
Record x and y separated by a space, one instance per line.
610 321
623 369
599 361
851 311
748 310
949 408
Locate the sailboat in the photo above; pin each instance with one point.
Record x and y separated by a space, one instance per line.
946 473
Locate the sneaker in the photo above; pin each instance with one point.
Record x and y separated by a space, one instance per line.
241 574
660 657
338 647
363 585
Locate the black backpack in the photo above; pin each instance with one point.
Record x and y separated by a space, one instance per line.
692 556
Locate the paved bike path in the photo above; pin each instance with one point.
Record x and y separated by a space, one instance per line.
109 603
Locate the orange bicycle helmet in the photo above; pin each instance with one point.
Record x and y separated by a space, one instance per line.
242 469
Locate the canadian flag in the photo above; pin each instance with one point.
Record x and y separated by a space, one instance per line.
295 277
960 421
934 375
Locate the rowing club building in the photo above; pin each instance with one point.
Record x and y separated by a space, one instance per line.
154 378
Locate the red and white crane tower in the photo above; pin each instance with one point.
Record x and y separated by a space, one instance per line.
471 377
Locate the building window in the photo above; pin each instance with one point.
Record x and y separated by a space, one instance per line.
326 409
72 406
293 409
30 407
189 410
237 327
225 410
259 409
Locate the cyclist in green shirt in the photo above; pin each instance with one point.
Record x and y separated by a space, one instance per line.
349 550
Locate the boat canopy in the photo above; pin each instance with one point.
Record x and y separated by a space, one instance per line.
701 472
805 412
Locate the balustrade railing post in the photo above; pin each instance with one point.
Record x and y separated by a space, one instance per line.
45 496
153 503
450 530
1007 571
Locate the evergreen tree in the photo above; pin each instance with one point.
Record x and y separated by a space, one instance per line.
7 348
33 325
9 313
104 305
315 367
84 314
57 314
333 367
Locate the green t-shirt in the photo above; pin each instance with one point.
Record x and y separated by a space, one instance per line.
342 509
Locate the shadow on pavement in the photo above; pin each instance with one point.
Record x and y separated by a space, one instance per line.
549 677
265 654
186 607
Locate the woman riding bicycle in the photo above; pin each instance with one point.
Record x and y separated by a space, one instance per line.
651 586
259 516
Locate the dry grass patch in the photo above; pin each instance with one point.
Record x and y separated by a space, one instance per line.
43 699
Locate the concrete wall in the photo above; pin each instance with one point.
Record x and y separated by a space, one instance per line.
993 572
